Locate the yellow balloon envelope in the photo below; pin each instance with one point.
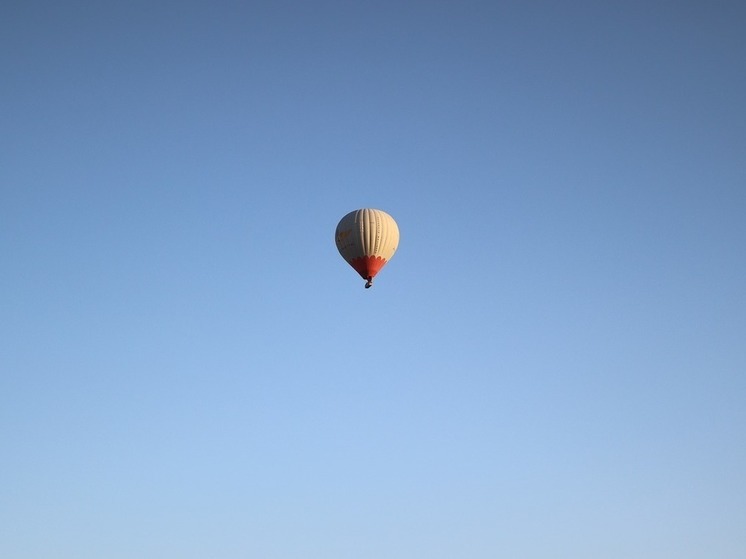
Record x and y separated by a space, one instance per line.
367 239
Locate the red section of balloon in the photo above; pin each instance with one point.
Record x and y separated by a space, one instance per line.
368 266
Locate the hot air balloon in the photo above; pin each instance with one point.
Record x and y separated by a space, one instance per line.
367 239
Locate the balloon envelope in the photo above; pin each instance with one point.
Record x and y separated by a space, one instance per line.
367 239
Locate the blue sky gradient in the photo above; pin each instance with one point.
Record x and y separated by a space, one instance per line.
552 366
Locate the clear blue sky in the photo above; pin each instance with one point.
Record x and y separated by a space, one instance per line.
552 366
